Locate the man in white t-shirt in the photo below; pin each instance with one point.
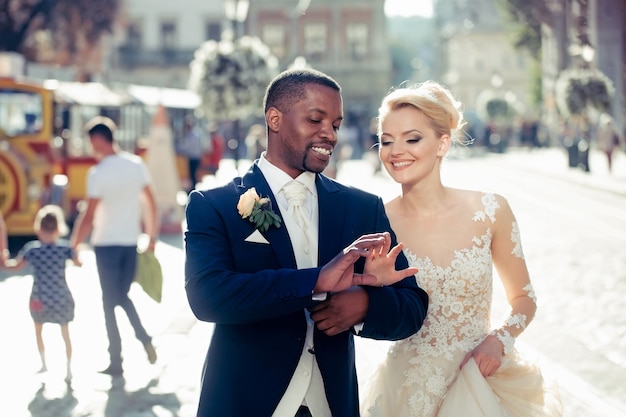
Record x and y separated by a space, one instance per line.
116 188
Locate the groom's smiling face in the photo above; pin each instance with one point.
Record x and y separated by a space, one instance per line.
305 134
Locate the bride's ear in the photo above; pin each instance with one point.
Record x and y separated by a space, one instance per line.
444 145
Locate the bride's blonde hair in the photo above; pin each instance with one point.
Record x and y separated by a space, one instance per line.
435 101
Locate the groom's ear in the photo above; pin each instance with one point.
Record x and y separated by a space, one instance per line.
273 117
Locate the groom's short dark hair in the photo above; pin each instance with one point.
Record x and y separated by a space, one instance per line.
288 87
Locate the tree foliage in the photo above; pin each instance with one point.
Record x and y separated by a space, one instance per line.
526 17
44 29
231 77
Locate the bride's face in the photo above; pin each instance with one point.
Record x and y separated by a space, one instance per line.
409 148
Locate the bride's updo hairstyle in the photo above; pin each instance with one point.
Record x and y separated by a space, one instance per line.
432 99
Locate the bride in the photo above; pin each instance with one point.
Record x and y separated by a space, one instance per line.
458 364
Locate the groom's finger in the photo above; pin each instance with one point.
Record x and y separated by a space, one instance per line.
364 245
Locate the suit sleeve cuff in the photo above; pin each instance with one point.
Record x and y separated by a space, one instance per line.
320 297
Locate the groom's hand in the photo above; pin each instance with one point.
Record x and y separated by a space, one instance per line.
338 274
341 311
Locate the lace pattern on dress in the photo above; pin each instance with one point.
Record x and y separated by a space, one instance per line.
490 206
508 341
453 326
516 239
531 292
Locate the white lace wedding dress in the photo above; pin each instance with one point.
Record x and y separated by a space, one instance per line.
420 376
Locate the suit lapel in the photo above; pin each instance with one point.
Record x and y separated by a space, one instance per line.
277 236
331 217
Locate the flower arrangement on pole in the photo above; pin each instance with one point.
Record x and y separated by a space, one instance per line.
581 94
579 90
231 76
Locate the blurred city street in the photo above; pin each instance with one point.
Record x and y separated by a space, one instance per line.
572 225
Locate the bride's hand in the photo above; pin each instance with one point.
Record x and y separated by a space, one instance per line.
488 356
381 263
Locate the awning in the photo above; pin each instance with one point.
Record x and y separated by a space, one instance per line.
88 94
167 97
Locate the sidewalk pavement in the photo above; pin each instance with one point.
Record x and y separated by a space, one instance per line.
553 162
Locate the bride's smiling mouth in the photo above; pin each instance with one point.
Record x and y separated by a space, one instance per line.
401 164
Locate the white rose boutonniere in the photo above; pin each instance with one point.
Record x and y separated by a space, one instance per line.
257 210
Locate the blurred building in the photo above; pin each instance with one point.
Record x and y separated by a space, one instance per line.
156 39
345 38
477 59
584 34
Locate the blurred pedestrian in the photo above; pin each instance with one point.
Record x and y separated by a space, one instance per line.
608 138
4 241
118 187
51 300
213 155
528 133
256 141
192 146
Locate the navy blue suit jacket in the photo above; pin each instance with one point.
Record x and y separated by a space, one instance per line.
256 297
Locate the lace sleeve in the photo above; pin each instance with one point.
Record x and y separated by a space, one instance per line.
510 263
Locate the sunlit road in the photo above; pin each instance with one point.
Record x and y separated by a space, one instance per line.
574 244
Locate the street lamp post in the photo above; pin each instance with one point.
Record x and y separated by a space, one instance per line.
236 12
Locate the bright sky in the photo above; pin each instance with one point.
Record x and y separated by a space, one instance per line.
409 8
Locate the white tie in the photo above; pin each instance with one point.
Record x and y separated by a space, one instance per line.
295 192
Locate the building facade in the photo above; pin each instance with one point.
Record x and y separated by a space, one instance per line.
478 62
344 38
155 42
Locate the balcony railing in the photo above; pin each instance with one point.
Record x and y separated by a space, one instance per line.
132 57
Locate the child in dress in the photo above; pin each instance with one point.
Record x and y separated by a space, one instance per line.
51 300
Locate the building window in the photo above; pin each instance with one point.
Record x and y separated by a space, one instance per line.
357 40
168 35
506 61
315 41
274 35
134 36
213 31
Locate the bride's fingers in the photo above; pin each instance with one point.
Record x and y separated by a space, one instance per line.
411 270
383 248
395 251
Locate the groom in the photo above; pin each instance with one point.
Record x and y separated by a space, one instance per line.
274 277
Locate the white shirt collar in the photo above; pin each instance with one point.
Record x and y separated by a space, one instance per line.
277 178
